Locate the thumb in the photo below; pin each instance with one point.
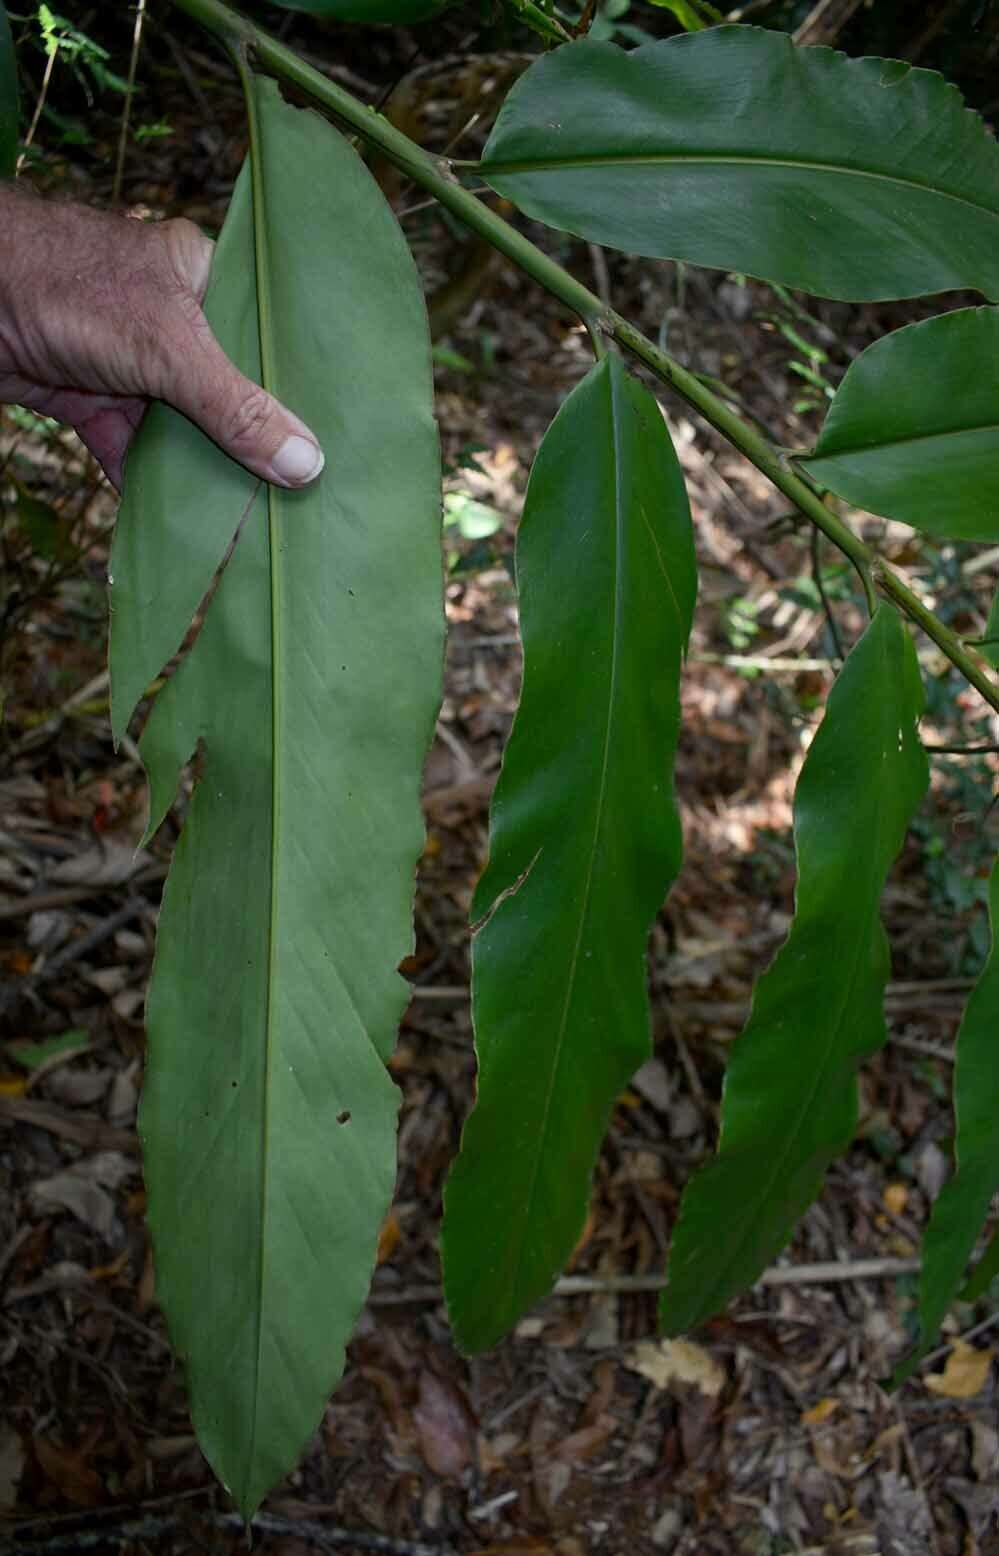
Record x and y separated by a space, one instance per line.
199 380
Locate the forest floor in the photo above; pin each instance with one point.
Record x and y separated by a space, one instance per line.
768 1431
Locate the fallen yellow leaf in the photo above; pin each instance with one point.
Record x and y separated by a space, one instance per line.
895 1197
820 1412
669 1362
964 1374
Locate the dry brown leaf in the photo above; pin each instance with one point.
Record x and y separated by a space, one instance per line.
524 1547
985 1451
652 1082
68 1469
445 1425
76 1087
820 1412
964 1374
108 864
580 1444
667 1363
84 1199
388 1237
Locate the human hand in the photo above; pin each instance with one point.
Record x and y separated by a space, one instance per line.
100 314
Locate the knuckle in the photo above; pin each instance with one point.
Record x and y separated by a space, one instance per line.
189 254
249 418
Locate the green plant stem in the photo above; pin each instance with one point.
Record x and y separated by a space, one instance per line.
436 177
539 21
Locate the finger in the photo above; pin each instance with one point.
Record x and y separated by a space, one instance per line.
241 417
107 431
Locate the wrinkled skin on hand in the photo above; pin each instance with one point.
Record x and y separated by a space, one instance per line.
100 313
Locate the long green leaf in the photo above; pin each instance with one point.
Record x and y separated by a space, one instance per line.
730 147
268 1115
585 841
790 1095
962 1205
913 430
8 98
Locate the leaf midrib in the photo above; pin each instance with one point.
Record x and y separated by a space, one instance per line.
590 160
264 326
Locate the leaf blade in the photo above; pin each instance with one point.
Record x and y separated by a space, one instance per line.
862 779
913 430
268 1115
673 151
585 840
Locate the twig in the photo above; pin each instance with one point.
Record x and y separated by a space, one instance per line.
968 1335
916 1045
323 1536
65 896
825 21
33 737
816 549
833 1270
763 662
601 276
959 750
140 12
25 987
917 1475
440 991
32 127
83 1129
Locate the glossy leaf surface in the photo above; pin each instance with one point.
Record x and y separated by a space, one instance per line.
913 430
8 98
790 1103
730 147
268 1115
585 841
961 1207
